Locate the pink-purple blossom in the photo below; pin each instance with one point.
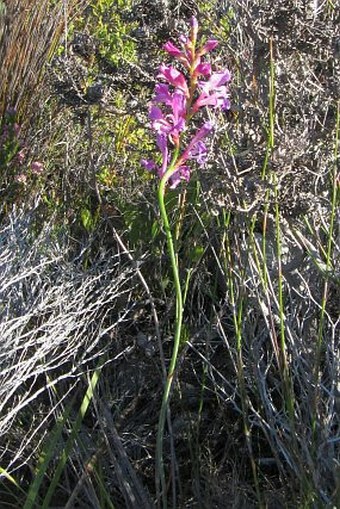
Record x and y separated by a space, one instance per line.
182 173
202 69
177 98
21 178
208 46
196 149
171 123
216 80
173 50
162 94
214 92
174 77
37 167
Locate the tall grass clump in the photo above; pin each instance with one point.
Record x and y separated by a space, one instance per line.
29 34
58 322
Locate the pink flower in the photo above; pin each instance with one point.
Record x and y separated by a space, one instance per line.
173 50
21 178
174 77
214 92
173 123
182 173
203 69
216 80
21 155
37 168
184 56
196 149
163 94
208 46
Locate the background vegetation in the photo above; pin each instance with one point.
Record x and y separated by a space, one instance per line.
86 310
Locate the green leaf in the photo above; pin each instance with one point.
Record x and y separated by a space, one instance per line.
155 230
86 219
196 254
2 470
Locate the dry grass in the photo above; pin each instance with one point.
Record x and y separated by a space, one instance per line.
29 34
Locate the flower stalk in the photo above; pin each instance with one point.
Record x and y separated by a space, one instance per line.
179 95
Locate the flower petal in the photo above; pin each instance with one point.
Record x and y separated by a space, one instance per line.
196 149
203 69
172 49
163 94
148 164
208 46
182 173
216 80
155 113
174 77
199 152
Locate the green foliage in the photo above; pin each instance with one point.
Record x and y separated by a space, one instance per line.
88 219
225 24
140 227
112 31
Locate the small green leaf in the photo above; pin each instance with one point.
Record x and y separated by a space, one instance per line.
86 219
4 472
196 254
155 230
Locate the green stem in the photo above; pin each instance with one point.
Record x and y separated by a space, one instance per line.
160 471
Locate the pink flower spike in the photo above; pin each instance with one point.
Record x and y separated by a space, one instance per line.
174 77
